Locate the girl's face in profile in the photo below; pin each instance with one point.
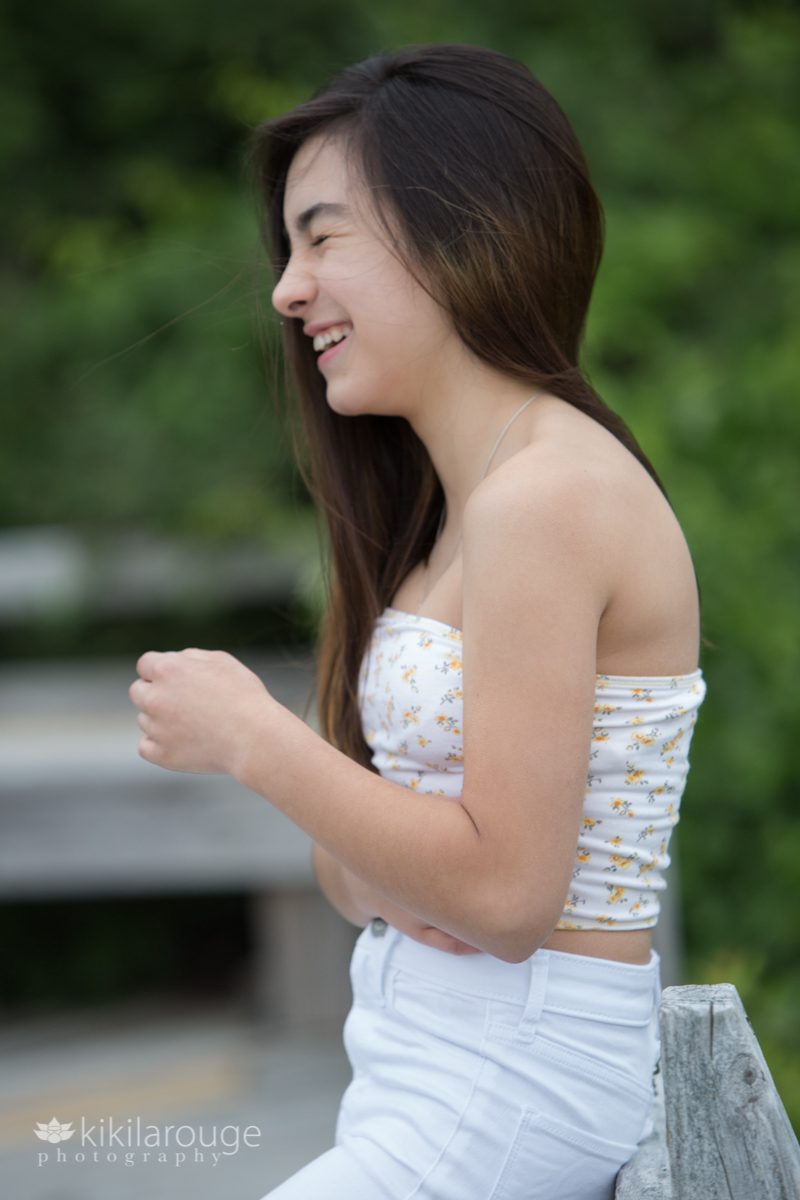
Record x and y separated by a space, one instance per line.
400 347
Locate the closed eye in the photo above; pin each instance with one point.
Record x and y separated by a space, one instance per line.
318 241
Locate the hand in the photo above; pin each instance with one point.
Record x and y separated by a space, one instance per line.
197 708
375 902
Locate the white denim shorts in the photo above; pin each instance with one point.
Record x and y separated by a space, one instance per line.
478 1079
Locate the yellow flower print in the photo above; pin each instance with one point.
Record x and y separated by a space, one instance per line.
452 663
584 855
633 774
409 676
615 894
673 742
444 721
599 734
619 862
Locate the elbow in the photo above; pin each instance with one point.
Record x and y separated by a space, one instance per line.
516 935
515 948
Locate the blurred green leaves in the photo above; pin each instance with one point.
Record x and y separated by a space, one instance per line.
136 391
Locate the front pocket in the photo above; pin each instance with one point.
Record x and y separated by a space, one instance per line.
453 1016
549 1159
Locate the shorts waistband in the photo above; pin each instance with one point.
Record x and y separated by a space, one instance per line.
571 983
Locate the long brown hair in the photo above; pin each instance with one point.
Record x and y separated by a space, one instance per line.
485 195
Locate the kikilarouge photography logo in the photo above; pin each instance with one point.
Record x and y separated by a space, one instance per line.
132 1141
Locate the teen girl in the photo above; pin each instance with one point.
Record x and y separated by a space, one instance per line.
508 674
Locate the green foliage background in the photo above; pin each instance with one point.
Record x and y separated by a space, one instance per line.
136 393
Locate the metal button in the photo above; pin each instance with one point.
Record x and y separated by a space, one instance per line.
378 926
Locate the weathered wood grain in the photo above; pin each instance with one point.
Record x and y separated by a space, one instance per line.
646 1176
723 1133
728 1135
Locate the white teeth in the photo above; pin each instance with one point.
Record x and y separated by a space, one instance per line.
334 334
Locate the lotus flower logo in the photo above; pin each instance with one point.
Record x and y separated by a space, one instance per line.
54 1131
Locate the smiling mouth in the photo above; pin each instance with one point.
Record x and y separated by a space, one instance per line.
329 351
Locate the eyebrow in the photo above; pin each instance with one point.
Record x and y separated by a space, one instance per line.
307 215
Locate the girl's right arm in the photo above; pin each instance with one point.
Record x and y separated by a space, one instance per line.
358 903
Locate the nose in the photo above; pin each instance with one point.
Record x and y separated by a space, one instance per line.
293 291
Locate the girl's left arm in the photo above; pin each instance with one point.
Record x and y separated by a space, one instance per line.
205 712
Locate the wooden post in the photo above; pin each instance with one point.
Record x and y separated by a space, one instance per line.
723 1130
728 1135
646 1176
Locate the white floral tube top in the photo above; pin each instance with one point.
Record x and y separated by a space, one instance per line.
411 703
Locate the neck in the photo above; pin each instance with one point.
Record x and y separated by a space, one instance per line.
460 432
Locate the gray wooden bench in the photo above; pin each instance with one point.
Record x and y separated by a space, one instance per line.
82 816
721 1130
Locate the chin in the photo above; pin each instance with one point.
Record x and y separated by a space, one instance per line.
348 405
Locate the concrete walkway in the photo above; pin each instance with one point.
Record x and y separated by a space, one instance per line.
213 1073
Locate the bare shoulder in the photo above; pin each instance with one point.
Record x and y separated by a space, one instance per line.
585 494
534 552
545 498
573 462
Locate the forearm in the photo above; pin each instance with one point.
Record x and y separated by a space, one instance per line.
422 852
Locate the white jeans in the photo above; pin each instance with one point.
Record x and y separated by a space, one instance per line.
478 1079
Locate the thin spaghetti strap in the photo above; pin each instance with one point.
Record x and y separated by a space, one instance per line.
500 437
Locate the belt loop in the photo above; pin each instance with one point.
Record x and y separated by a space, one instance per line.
382 941
538 966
